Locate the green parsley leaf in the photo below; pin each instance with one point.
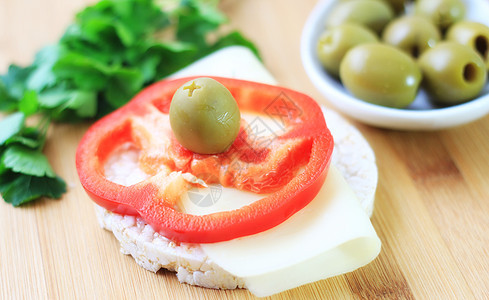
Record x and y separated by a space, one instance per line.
196 19
33 141
11 125
42 75
55 96
18 189
31 137
15 80
23 160
29 104
7 103
62 102
85 72
84 103
3 169
122 85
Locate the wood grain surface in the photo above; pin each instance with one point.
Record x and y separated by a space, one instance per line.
432 203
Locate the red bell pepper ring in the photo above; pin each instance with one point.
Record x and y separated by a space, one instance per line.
305 123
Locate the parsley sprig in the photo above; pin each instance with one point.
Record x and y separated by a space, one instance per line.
112 50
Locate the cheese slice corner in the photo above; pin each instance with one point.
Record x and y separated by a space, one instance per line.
332 235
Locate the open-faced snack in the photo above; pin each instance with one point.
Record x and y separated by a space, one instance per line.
325 231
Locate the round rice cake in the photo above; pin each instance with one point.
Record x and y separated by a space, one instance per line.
352 156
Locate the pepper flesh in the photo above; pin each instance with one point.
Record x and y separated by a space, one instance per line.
307 137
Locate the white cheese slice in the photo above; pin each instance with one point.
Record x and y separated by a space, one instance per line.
330 236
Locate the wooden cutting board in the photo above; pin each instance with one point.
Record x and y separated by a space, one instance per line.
432 204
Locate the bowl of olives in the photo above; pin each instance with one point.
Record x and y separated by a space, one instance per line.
410 65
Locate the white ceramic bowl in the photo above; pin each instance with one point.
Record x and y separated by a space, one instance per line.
420 115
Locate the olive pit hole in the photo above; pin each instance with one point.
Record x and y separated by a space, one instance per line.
482 46
415 51
470 72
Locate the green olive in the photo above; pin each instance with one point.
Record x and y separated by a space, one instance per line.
473 34
443 13
412 34
335 42
374 14
204 116
453 73
380 74
397 5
